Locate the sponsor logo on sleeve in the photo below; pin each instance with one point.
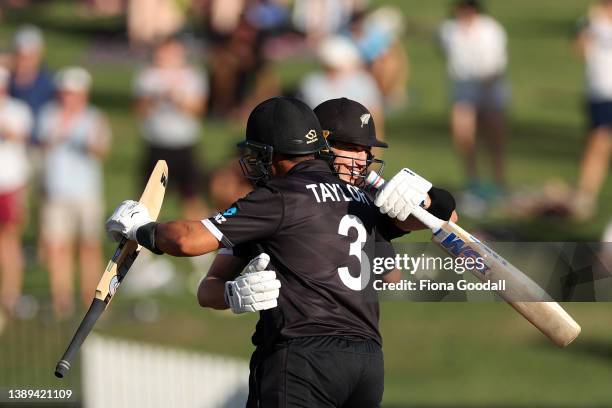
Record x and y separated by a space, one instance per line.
230 212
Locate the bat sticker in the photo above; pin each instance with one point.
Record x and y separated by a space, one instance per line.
113 285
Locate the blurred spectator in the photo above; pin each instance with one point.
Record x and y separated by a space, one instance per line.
228 184
343 76
377 35
31 81
318 19
150 20
475 49
595 43
15 127
171 96
222 16
76 137
240 75
103 8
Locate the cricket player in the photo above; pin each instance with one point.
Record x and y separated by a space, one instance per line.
350 131
317 339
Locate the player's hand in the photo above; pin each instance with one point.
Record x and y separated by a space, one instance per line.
127 218
255 289
402 194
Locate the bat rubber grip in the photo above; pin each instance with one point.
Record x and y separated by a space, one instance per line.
61 368
92 315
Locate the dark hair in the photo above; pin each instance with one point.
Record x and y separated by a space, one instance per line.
473 4
162 41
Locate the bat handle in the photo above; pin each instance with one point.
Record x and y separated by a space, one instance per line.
431 221
92 315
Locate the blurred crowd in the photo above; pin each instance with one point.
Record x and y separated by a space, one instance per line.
53 140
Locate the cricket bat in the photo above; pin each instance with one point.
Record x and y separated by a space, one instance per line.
117 267
545 314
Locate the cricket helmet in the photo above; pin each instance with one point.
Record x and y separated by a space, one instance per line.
279 125
346 121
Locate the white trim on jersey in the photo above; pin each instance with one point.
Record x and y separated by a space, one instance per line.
218 234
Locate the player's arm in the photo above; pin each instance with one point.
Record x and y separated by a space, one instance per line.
254 217
211 289
184 238
177 238
225 286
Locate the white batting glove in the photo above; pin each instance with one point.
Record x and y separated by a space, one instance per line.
255 289
127 218
402 194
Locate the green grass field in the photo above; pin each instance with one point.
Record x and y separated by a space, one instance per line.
437 354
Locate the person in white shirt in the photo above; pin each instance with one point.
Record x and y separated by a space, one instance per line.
75 137
475 48
15 126
317 19
343 76
171 97
594 41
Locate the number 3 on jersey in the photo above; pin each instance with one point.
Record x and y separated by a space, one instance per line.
355 249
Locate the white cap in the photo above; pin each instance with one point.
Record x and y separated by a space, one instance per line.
75 79
339 52
4 75
28 38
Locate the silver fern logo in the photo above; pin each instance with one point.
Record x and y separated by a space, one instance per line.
365 119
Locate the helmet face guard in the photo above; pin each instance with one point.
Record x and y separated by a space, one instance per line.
256 162
352 169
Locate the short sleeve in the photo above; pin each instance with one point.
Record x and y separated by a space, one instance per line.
254 217
19 119
244 251
197 84
499 32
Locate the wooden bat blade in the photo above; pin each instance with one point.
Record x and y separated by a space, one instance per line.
551 319
127 251
117 267
547 316
522 293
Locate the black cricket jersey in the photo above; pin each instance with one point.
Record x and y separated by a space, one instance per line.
320 233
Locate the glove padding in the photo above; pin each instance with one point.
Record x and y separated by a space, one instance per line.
255 289
127 218
402 194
